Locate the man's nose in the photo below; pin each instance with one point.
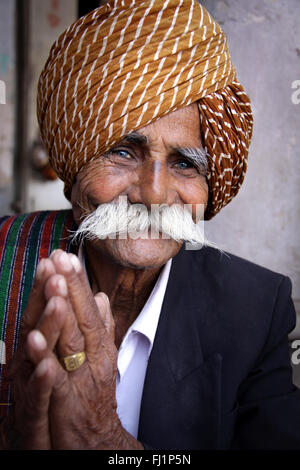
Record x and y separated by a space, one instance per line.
154 185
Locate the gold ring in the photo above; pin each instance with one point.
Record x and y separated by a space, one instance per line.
73 362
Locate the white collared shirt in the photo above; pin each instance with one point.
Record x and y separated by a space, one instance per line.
134 353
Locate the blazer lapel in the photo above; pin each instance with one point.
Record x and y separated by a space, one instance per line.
181 399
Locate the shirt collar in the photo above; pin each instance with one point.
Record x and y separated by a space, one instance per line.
147 321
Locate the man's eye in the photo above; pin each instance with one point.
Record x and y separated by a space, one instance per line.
184 165
121 153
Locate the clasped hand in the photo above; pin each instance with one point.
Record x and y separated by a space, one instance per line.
53 408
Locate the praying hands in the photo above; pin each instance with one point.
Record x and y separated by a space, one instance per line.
64 373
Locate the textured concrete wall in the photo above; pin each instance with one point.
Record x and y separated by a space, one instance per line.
263 222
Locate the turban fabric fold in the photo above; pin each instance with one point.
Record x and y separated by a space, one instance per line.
127 64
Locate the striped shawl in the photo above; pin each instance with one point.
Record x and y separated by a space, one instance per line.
24 241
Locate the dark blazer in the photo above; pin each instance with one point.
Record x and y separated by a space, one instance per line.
219 374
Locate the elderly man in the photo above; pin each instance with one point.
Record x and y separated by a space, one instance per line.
128 340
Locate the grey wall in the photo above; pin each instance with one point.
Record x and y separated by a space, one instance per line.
263 222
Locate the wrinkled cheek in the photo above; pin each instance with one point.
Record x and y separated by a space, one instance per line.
197 209
107 188
194 193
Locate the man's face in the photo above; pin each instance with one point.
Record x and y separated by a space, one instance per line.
147 167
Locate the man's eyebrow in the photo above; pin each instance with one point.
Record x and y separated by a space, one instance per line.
196 155
135 138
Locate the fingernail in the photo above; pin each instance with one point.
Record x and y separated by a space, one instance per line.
39 340
104 297
42 368
62 287
40 269
75 263
64 260
55 253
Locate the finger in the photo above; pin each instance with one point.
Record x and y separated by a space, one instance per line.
36 302
71 340
103 304
41 383
38 393
48 372
36 347
48 368
55 285
39 353
52 321
82 300
42 341
57 329
50 325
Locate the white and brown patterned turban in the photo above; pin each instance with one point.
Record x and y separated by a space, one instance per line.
130 62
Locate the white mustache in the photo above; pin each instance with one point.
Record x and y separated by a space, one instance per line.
123 220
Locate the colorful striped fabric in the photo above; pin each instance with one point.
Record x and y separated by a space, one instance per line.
24 241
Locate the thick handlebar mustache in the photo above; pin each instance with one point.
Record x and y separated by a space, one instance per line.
124 220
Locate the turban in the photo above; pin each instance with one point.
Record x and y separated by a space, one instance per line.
130 62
